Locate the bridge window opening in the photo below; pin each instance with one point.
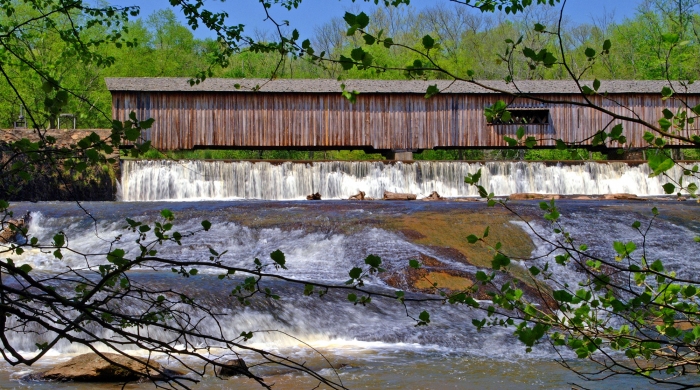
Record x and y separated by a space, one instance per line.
525 116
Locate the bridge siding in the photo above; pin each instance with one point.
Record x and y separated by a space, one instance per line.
382 121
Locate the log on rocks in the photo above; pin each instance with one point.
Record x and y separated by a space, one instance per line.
359 196
315 196
621 197
90 367
233 367
398 196
530 196
433 196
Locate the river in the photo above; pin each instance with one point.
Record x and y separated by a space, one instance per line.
377 346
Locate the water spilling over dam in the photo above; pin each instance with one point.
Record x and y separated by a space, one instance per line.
151 180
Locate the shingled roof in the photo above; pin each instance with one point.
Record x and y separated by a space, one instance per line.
171 84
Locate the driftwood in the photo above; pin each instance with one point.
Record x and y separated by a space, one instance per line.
433 196
359 196
398 196
532 196
315 196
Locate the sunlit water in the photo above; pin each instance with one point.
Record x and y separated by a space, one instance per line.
379 344
189 180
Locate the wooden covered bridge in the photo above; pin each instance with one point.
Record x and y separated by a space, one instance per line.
388 116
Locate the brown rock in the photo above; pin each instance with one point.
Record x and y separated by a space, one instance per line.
316 196
233 367
433 196
10 229
621 197
90 367
398 196
359 196
531 196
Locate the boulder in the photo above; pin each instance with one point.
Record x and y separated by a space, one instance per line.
359 196
91 367
11 227
433 196
233 367
316 196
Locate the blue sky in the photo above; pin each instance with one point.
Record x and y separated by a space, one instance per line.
312 13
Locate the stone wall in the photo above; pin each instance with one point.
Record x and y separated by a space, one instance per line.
49 183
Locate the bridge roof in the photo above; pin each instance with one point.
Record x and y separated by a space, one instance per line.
172 84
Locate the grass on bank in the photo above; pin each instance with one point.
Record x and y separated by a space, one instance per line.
359 155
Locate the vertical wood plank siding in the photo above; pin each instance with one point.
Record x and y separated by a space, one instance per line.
184 120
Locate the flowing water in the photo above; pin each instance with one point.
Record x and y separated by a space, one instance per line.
152 180
378 345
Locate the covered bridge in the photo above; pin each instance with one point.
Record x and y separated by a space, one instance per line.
388 116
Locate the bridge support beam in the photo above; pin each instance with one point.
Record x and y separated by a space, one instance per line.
624 154
399 155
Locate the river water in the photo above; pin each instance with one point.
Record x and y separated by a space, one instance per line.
153 180
377 345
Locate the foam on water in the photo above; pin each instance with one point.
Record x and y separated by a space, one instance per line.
149 180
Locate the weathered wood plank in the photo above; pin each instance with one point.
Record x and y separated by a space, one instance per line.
383 121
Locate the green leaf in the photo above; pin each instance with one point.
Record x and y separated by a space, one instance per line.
520 133
669 188
424 316
373 261
25 268
206 225
362 20
472 239
369 40
428 42
278 257
596 84
539 27
607 45
167 214
59 240
355 273
431 91
500 260
590 52
414 264
510 141
666 92
530 142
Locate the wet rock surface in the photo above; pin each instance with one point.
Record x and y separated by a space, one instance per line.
91 367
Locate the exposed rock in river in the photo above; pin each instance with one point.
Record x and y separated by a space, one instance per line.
11 228
433 196
622 197
233 367
90 367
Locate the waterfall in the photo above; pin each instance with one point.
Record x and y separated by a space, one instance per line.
150 180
